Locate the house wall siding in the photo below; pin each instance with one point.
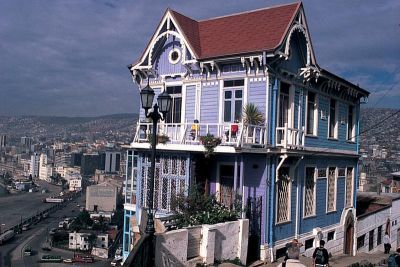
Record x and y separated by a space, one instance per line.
257 93
209 110
190 103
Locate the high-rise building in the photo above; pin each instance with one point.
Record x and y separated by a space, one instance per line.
34 166
3 141
45 169
89 163
76 158
62 159
110 161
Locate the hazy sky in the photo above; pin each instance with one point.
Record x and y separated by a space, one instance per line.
70 57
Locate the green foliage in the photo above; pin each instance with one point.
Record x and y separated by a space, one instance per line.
160 139
197 209
252 115
209 142
83 221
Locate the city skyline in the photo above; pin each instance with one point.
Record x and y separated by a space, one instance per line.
69 58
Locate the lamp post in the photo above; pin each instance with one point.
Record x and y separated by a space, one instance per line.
160 110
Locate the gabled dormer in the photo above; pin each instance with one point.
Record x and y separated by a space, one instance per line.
169 53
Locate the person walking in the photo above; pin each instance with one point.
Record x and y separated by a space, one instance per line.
386 243
321 256
292 253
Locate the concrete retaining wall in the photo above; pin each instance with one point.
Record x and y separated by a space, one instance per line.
220 242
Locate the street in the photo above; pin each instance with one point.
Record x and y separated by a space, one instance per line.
11 254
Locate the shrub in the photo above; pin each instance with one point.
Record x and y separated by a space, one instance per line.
197 208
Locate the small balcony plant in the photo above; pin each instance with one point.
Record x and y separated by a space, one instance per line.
210 142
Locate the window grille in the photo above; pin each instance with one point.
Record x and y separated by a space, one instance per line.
309 194
331 189
283 196
349 186
169 181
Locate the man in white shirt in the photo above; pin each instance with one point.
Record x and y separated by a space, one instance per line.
386 242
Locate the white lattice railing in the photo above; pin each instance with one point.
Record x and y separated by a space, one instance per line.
235 134
289 137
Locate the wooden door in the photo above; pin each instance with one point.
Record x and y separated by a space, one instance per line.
349 239
226 173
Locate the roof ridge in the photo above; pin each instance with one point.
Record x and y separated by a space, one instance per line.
174 11
249 11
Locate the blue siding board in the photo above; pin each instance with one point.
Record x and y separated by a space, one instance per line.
190 103
257 95
209 104
322 140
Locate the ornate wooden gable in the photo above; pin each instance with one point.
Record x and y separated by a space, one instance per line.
168 53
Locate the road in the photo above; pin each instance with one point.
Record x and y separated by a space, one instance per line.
15 207
11 254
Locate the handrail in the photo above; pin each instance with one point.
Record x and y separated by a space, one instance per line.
231 134
288 137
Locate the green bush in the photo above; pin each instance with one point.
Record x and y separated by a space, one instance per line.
196 208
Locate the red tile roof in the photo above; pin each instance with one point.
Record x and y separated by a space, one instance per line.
252 31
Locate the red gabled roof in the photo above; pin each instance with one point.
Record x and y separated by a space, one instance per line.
252 31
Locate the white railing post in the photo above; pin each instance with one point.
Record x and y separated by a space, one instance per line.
285 136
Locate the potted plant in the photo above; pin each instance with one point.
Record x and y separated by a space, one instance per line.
210 142
252 116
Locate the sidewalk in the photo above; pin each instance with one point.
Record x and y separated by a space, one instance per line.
342 260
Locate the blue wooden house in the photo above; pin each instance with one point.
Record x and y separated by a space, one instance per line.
294 173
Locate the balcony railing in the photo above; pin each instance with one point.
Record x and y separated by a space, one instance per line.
231 134
289 137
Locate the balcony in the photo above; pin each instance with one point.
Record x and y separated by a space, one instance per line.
289 138
231 134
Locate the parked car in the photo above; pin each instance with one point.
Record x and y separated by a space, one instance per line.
28 251
116 262
68 261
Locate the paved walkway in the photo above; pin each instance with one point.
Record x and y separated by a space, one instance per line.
342 260
376 258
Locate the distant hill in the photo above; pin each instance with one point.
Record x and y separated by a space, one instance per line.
55 127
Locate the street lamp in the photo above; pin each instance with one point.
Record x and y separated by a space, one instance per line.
160 110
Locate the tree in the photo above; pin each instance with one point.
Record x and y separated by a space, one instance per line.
92 240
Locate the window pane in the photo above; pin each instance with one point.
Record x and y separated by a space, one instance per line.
238 110
309 192
310 112
238 94
332 118
177 110
228 94
233 83
227 111
310 119
350 134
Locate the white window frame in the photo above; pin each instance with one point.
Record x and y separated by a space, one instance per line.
336 130
352 188
183 100
353 127
314 191
316 117
290 122
232 100
289 211
327 190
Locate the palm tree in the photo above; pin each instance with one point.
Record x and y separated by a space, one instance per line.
252 115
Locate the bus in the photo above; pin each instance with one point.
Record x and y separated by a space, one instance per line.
83 258
51 258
